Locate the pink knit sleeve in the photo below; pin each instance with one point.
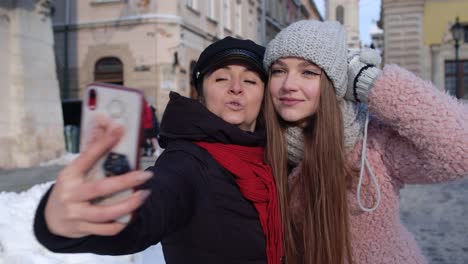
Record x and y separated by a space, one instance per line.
430 143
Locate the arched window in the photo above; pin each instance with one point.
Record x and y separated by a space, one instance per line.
340 14
109 70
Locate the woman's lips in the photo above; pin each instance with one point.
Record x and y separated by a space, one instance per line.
287 101
235 105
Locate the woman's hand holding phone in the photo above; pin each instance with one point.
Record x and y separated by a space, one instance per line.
70 211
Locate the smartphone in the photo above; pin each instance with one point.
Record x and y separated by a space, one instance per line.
124 106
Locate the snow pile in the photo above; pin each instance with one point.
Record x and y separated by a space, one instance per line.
63 160
19 246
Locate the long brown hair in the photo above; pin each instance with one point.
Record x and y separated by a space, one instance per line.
324 237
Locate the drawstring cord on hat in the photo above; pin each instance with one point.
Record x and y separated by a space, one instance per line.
365 165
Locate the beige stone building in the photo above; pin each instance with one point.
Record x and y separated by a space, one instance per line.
148 44
279 14
347 13
417 36
153 45
31 125
403 36
311 10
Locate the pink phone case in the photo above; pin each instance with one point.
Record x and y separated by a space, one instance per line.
124 106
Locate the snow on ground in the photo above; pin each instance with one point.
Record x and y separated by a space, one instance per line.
19 246
63 160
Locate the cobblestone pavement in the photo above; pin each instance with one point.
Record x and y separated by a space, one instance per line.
438 217
436 214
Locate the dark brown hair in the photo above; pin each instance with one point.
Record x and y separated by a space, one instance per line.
324 236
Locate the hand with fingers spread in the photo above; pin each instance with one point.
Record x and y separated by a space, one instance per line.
69 211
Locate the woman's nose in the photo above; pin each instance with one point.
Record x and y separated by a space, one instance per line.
236 87
289 83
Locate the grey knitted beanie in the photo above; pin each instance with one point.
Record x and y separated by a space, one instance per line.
323 43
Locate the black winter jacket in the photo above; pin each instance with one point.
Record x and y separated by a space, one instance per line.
195 208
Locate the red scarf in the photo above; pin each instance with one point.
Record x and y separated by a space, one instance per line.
256 183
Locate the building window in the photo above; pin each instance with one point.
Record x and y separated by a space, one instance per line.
451 78
340 14
109 70
273 10
239 18
465 33
193 4
285 15
464 89
227 13
212 9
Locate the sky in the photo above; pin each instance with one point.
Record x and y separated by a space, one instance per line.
369 13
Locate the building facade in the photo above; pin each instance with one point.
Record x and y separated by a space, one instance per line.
31 124
153 45
279 14
417 37
403 34
347 13
377 38
445 72
311 10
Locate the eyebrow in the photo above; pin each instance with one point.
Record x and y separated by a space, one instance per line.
279 62
302 64
307 63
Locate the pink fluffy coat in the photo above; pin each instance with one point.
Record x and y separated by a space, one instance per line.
417 135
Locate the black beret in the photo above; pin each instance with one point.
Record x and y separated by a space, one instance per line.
225 50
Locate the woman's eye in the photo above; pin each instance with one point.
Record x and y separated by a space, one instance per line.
220 79
311 73
250 81
276 71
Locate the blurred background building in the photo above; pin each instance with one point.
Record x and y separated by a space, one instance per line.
347 13
418 36
153 45
31 124
377 38
51 50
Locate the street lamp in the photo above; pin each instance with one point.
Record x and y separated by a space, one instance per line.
457 32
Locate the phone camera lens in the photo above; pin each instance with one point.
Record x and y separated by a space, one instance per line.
92 99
